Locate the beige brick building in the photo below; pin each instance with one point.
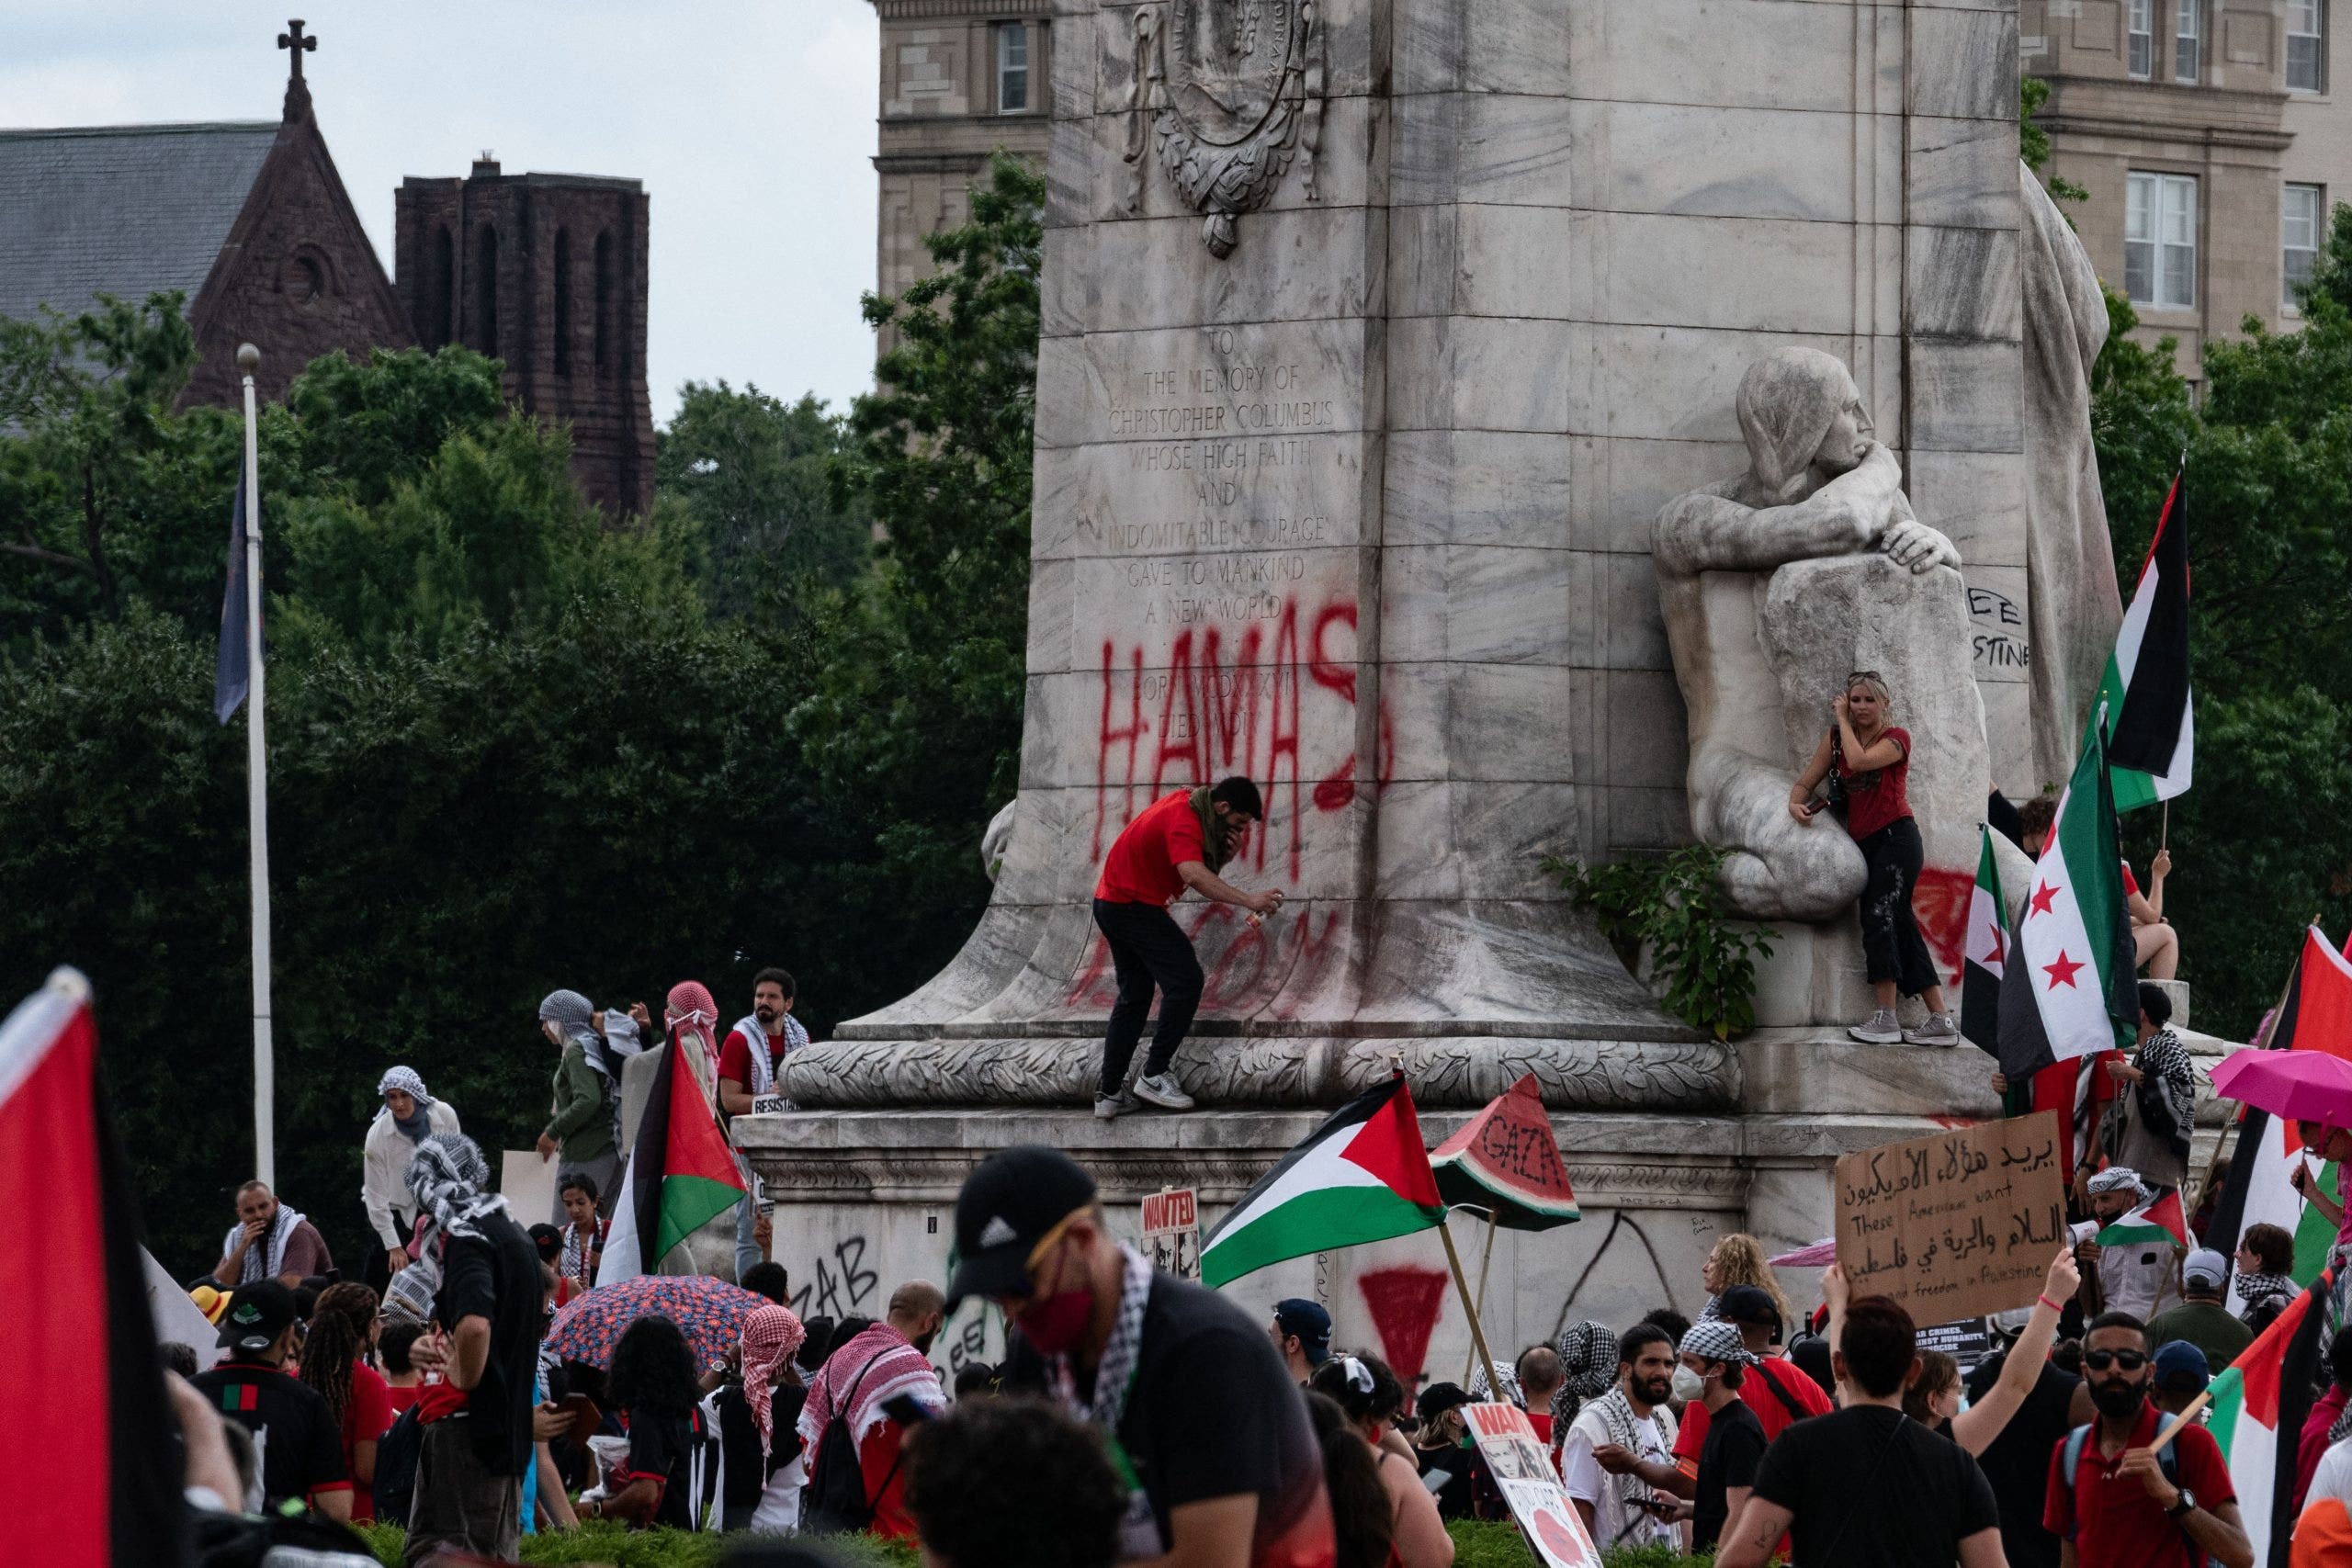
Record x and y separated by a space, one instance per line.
959 79
2212 135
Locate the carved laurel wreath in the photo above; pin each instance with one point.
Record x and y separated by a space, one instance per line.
1223 181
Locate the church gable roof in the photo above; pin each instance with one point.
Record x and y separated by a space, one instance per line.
124 209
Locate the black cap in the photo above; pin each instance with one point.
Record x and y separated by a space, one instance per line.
1749 1305
1004 1211
257 1314
1310 1324
1438 1398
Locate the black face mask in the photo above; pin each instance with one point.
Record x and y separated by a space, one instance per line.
2118 1399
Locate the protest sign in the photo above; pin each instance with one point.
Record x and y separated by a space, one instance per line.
767 1105
1171 1232
1961 1225
1968 1341
1523 1470
526 1180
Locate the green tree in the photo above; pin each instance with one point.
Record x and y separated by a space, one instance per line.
755 475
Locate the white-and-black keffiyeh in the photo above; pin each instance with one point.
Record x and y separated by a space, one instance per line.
1114 1377
1625 1430
1589 1365
2167 1089
448 1176
755 1040
264 1260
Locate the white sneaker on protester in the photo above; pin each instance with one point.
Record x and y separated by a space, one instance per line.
1939 1029
1163 1090
1107 1106
1882 1030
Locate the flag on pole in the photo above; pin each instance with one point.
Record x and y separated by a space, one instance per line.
88 1447
1363 1176
2260 1404
231 675
681 1174
2151 733
2160 1219
1984 953
2068 987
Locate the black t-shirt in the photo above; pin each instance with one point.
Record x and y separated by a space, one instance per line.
1728 1458
1872 1488
2018 1461
662 1446
739 1438
301 1442
497 1277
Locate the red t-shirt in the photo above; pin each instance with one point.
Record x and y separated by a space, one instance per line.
885 1483
401 1398
735 1057
2112 1520
368 1415
1141 866
1772 1413
1874 796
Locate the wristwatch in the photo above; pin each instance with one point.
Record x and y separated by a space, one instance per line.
2185 1506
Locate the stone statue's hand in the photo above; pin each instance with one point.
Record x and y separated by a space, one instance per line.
1913 545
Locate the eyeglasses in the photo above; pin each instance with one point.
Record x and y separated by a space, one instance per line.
2130 1360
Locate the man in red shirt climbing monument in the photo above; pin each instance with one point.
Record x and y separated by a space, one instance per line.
1180 840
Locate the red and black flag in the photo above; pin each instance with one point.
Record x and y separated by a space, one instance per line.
681 1174
88 1457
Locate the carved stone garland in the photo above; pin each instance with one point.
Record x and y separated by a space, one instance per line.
1242 95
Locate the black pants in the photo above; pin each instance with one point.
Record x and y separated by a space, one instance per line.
1148 950
1893 948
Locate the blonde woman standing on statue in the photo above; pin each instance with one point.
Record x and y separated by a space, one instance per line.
1738 1259
1866 760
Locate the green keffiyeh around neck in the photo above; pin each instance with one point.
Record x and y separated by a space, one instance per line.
1216 845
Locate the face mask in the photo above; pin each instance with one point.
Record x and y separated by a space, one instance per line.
1057 1323
1688 1385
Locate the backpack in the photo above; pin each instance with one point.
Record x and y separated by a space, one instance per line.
836 1502
395 1482
2167 1460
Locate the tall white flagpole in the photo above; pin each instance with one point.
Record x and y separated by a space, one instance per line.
257 797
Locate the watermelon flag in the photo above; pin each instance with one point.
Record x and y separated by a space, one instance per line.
1984 952
2160 1219
2259 1403
1505 1163
2068 986
2145 692
1363 1176
88 1444
680 1175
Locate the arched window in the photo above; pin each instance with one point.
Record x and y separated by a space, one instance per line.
604 302
441 297
486 290
562 303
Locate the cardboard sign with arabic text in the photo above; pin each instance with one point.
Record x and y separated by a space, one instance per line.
1961 1225
1523 1470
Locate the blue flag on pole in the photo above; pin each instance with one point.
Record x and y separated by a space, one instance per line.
232 676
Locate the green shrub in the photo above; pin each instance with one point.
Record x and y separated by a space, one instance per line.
597 1541
1703 963
1479 1544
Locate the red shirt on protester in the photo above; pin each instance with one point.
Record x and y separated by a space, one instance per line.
886 1482
1773 1414
398 1399
735 1057
2112 1520
1141 866
368 1415
1874 798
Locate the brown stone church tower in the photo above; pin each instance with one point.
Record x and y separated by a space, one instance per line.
547 272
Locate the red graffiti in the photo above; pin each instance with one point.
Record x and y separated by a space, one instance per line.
1249 961
1404 1303
1940 904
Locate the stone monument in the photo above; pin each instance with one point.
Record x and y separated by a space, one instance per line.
1376 334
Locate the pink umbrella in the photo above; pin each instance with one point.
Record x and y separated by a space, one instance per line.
1820 1255
2299 1086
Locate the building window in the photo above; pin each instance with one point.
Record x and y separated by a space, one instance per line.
2187 40
2160 240
486 290
1012 68
2140 39
2300 207
604 302
441 306
2306 46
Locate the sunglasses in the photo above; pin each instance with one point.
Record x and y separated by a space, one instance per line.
2130 1360
1864 675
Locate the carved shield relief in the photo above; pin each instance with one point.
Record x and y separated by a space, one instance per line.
1230 91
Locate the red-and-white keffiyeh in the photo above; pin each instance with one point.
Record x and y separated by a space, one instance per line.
873 1368
770 1336
691 1010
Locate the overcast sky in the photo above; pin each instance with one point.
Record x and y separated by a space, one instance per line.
749 122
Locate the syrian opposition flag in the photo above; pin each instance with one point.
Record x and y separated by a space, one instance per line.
2259 1403
1984 953
2145 692
680 1175
1363 1176
2160 1219
88 1444
2068 987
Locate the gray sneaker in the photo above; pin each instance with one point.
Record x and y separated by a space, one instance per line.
1882 1030
1939 1029
1107 1106
1163 1090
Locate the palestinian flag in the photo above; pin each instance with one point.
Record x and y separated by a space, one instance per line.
88 1443
1984 952
2159 1221
2259 1403
1363 1176
2068 987
680 1175
2145 692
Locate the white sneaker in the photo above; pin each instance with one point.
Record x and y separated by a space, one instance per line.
1939 1029
1107 1106
1882 1030
1163 1090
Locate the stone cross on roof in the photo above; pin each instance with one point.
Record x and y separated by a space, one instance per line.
297 92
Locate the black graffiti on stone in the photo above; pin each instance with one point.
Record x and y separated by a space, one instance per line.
840 1286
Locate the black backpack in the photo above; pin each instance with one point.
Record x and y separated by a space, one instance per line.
835 1502
395 1483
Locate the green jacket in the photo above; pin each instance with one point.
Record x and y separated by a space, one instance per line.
579 1124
